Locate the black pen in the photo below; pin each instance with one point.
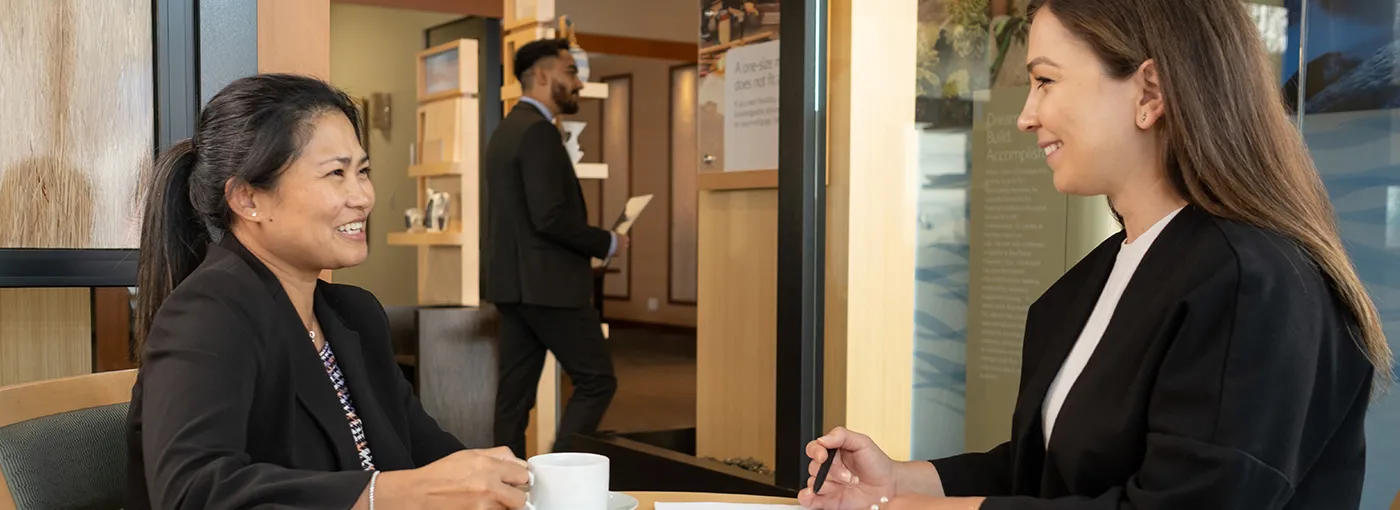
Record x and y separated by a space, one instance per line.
821 472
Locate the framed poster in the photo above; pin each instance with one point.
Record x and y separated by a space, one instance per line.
441 73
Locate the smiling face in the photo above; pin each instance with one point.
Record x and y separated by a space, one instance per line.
1091 125
314 218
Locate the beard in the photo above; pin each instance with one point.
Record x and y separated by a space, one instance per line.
565 99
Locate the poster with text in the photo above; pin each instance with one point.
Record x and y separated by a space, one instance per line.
727 25
751 98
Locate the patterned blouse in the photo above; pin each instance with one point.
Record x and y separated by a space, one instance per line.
357 428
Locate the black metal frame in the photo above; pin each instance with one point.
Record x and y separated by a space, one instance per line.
801 236
174 31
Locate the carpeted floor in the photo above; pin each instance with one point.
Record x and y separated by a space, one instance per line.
655 380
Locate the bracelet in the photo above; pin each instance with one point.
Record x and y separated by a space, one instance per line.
372 478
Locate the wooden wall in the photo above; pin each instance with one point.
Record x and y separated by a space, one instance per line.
294 36
871 212
736 336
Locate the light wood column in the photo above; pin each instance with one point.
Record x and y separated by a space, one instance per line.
736 316
294 36
871 212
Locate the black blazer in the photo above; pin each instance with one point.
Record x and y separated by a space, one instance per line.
1226 380
232 406
536 243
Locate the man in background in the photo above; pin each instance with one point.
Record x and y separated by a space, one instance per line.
536 251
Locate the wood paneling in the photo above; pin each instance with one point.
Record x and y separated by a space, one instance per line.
871 203
649 174
736 337
111 319
294 36
637 47
483 8
616 131
44 334
685 196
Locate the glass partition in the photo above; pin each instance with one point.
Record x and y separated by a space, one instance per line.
993 233
1351 124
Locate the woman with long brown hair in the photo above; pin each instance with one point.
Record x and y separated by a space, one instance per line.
1220 352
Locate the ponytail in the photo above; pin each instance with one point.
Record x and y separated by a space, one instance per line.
173 238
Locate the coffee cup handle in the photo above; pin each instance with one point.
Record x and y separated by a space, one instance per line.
530 485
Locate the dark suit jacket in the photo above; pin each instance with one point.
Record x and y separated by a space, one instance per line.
1226 380
536 243
232 407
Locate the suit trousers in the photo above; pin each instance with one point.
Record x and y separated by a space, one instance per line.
575 336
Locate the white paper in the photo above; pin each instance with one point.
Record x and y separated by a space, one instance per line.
623 225
630 212
722 506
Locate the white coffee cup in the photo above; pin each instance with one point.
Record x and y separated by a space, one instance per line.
568 481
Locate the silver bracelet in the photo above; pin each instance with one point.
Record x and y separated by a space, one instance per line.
372 478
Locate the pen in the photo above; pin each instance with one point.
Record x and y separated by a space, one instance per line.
821 472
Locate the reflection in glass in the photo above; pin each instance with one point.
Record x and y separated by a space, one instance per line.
1352 87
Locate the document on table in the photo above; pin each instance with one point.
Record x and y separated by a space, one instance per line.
722 506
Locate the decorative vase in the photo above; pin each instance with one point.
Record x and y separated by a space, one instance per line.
438 208
581 60
572 130
413 219
580 56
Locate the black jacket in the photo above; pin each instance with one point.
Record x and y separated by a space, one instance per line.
1226 379
536 243
232 406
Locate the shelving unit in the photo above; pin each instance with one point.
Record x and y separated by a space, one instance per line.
446 159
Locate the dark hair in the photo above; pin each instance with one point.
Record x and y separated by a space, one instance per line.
1229 145
247 134
532 53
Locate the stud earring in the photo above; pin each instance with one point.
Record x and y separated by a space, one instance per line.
255 214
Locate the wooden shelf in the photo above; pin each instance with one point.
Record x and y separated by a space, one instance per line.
591 170
513 25
436 169
590 90
427 238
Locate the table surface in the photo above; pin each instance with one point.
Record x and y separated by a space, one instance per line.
648 500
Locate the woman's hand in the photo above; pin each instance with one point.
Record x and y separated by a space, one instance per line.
466 480
860 476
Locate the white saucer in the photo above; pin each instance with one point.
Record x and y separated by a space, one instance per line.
620 501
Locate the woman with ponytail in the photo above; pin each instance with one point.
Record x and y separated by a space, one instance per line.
1220 352
261 385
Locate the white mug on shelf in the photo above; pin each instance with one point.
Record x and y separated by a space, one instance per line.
568 481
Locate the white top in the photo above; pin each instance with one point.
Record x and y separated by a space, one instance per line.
1129 255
